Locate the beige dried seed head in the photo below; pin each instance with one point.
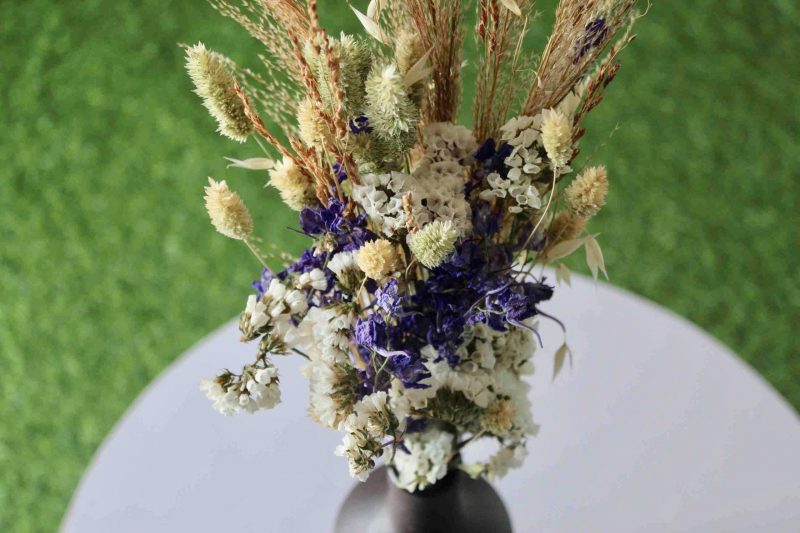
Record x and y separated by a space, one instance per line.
227 211
587 193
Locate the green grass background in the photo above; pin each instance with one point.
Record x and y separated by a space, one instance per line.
109 268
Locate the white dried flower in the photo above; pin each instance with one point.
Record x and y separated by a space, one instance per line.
361 450
344 266
445 141
215 85
257 388
437 193
505 459
433 243
427 460
314 279
557 137
228 213
522 130
295 189
332 387
378 259
255 313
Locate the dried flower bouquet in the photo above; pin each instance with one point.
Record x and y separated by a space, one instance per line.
415 303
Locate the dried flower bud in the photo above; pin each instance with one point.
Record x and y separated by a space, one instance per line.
391 112
408 49
564 227
557 136
214 84
295 189
378 259
587 193
312 128
228 213
433 243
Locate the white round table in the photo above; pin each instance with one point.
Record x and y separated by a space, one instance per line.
658 427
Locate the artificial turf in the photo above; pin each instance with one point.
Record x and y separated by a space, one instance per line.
109 269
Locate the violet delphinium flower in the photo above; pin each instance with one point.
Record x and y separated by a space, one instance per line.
262 284
359 125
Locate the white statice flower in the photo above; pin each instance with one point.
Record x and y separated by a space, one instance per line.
330 330
404 402
509 385
427 460
524 166
256 389
344 266
263 389
331 391
371 414
273 313
512 349
297 302
436 193
223 401
364 430
314 279
474 382
381 197
505 459
525 196
361 450
255 313
399 402
521 130
445 141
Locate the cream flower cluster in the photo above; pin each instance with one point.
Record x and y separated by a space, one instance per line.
344 265
273 312
448 142
426 461
330 330
330 386
381 197
258 391
364 429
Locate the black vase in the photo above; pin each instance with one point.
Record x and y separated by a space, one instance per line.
456 503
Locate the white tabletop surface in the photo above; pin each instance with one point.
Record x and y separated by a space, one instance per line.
657 427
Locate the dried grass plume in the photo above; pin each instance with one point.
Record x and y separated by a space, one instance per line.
227 211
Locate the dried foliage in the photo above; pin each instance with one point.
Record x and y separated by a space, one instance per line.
504 66
581 31
438 23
